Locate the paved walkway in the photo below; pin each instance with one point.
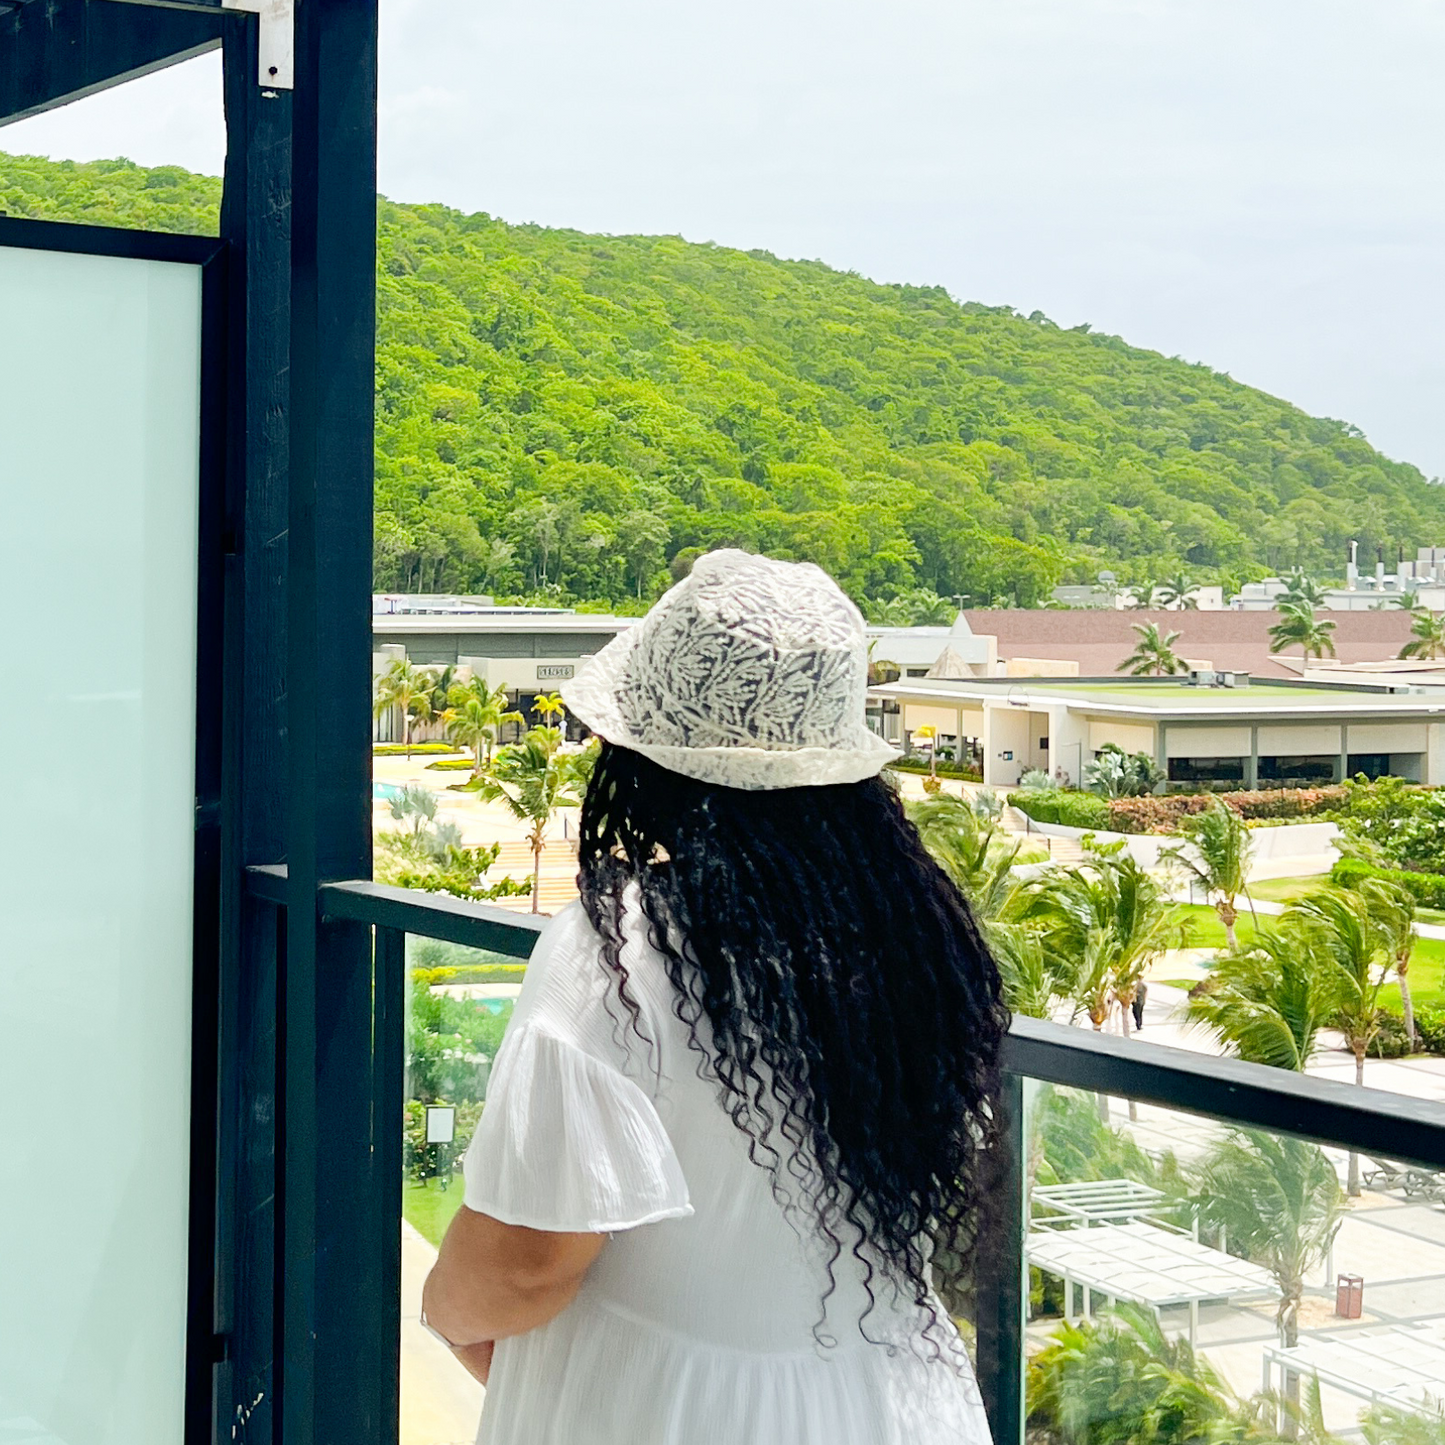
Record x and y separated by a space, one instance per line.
440 1402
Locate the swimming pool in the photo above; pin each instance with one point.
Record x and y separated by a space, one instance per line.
385 792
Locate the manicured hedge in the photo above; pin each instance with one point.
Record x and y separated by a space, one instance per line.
943 770
1068 809
1163 813
1426 888
396 750
471 973
451 765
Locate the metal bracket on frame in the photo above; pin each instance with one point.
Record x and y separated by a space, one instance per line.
276 67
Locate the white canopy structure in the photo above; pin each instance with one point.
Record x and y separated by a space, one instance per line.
1097 1201
1403 1365
1145 1264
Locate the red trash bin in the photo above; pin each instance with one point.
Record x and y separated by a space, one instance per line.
1349 1296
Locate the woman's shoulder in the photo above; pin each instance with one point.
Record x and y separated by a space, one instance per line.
572 989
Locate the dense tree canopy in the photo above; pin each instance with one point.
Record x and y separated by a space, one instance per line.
574 416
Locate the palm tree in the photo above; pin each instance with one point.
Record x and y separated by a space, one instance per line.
1427 637
1393 908
1175 593
1358 951
443 680
533 779
1153 654
1035 978
1268 1002
407 688
1299 627
1277 1202
1216 853
475 716
971 848
1110 918
1301 593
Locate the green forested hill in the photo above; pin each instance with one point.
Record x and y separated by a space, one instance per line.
565 414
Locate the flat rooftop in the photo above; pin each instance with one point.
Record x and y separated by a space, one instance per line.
1167 698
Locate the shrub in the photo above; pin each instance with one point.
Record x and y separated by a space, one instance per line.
1163 814
1430 1027
1427 889
1057 805
471 973
932 785
943 770
397 750
451 765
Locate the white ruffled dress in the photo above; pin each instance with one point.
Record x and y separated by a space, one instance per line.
696 1324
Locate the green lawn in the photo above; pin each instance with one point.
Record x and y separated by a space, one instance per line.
428 1208
1287 890
1427 966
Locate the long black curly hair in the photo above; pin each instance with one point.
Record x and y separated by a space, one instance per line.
855 1012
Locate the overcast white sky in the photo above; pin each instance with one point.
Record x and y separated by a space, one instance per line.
1256 184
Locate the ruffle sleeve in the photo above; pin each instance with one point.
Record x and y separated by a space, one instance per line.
566 1142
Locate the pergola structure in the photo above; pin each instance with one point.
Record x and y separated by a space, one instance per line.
1402 1366
1144 1264
285 1135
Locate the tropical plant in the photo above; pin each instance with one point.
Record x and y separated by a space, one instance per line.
1301 593
1277 1202
1108 917
1036 979
970 846
475 716
406 688
532 779
1122 1381
1360 955
549 705
1396 1425
1216 853
1299 627
1035 778
1394 910
1268 1001
1177 592
1153 654
1113 773
1427 637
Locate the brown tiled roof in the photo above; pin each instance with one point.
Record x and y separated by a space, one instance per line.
1098 641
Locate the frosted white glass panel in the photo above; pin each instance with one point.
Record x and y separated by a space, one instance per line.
99 417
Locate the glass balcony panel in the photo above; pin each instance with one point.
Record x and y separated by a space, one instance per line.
99 447
459 1003
1188 1280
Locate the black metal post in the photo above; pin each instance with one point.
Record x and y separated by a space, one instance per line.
327 1244
1001 1286
380 1291
255 223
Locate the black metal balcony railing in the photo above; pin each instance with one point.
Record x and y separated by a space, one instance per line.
1227 1091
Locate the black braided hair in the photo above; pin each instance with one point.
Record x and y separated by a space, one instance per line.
855 1012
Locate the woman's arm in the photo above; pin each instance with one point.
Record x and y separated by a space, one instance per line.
492 1279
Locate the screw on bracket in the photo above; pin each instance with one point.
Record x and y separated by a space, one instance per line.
277 45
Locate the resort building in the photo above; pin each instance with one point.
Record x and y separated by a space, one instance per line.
1231 730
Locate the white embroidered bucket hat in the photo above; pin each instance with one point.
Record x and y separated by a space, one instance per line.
749 672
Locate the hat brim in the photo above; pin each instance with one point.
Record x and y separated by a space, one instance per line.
591 697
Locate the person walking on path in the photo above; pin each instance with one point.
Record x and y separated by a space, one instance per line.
740 1132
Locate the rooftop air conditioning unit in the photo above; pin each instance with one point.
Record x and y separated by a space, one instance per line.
1233 679
1203 677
